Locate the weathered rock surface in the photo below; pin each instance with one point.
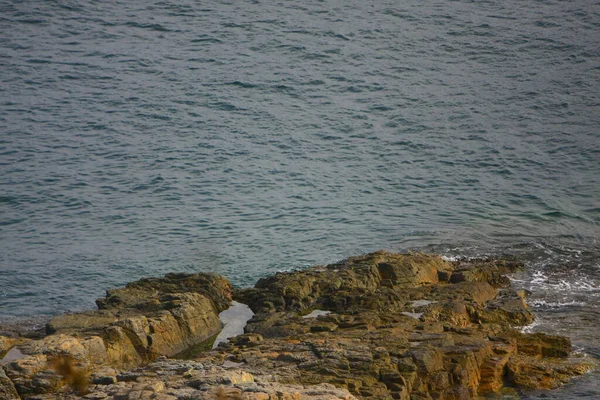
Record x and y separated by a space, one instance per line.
134 325
152 317
401 326
6 344
7 387
390 326
178 379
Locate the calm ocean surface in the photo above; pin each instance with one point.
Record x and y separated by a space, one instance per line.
142 137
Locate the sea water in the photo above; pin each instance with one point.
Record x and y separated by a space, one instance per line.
144 137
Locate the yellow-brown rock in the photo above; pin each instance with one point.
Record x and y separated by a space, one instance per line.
136 324
378 326
6 344
7 387
408 326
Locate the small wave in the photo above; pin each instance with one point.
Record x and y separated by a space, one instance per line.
529 328
9 200
224 106
337 35
153 27
451 258
536 303
399 14
11 221
546 24
240 84
32 21
541 282
206 39
38 61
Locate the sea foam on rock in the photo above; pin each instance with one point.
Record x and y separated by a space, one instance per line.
404 326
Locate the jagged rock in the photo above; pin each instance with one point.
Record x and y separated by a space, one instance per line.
7 387
448 325
347 284
152 317
145 293
533 373
32 375
53 362
402 326
136 324
90 350
104 376
541 345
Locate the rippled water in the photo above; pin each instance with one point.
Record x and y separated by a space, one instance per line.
143 137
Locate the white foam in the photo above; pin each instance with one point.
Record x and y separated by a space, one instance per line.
529 328
581 285
290 269
449 258
554 304
579 351
539 277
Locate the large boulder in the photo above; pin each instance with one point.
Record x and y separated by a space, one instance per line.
152 317
145 293
133 326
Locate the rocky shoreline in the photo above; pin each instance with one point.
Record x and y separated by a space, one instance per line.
378 326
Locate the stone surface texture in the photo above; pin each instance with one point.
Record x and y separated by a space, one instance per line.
401 326
133 326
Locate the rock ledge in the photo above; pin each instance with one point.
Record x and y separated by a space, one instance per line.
378 326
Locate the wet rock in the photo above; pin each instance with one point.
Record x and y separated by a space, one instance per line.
541 345
533 373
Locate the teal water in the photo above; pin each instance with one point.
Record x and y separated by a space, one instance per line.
138 138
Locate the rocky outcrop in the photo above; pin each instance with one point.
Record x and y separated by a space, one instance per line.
401 326
152 317
7 387
379 326
133 326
